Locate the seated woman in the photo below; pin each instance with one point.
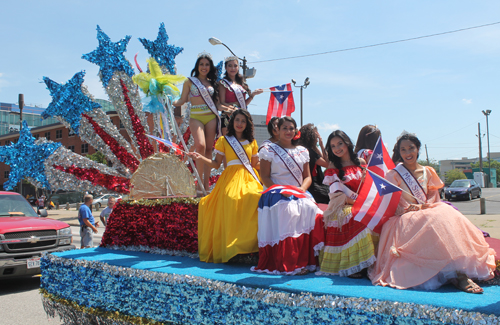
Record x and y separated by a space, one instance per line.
349 244
367 139
309 138
272 129
428 243
290 227
227 217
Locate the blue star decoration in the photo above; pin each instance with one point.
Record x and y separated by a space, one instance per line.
163 53
26 159
109 57
68 101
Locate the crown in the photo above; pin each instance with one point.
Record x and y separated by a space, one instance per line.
230 58
406 133
205 54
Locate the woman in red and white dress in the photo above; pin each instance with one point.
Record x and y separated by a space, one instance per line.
291 228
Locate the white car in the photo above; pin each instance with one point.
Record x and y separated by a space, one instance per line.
102 200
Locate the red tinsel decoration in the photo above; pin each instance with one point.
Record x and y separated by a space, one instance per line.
93 175
171 226
145 147
186 135
121 153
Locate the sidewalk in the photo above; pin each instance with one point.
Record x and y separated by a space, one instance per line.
489 223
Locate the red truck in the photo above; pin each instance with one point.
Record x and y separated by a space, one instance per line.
24 235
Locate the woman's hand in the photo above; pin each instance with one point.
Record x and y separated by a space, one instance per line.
256 92
194 155
349 201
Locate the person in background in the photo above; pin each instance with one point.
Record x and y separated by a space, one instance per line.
107 211
88 226
367 139
309 138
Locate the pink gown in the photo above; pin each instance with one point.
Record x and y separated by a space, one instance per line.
426 248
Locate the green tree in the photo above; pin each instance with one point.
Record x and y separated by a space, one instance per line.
98 157
494 165
453 175
432 163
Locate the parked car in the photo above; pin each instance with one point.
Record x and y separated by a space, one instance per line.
24 235
463 189
102 200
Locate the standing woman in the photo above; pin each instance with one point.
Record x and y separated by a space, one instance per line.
428 243
227 217
349 245
233 91
290 226
201 91
367 139
309 138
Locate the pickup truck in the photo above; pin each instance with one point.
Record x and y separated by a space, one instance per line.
24 235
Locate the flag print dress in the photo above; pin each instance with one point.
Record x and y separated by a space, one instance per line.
349 245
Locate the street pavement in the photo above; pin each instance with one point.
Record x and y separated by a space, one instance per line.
21 303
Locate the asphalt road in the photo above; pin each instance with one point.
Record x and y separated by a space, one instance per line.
492 196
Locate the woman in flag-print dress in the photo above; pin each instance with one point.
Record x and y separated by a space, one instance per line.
428 243
349 245
290 231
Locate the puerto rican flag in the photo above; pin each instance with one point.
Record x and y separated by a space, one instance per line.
288 189
377 202
378 199
281 102
380 161
168 143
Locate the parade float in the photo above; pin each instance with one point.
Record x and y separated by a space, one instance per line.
146 270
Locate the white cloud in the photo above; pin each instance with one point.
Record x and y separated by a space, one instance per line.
328 127
254 54
467 101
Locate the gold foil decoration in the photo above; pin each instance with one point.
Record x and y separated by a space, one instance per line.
162 175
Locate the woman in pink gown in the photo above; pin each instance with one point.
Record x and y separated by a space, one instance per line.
427 243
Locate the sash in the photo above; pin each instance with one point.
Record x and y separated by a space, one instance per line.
208 100
242 155
265 143
237 91
290 163
339 186
412 183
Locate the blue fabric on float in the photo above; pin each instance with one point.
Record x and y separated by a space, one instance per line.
270 199
240 275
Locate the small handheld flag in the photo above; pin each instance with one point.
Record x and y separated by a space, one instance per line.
168 143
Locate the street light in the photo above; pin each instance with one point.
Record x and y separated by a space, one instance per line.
252 71
487 113
304 86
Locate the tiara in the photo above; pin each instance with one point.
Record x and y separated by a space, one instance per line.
231 58
205 54
406 133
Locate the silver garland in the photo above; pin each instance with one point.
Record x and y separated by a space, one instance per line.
398 309
115 93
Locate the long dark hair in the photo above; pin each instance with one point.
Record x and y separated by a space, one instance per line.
248 132
289 119
238 78
211 76
336 160
270 126
308 136
396 156
367 138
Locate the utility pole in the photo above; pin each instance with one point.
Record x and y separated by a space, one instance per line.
21 106
480 148
427 155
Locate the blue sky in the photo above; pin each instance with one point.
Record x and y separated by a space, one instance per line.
435 87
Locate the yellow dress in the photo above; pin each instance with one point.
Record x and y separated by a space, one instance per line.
227 217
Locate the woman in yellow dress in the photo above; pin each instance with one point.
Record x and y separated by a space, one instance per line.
227 217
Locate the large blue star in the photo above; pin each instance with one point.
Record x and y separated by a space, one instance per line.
109 56
68 101
163 53
26 159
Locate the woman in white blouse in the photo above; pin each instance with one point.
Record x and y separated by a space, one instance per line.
290 223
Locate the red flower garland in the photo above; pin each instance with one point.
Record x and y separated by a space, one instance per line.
93 175
145 147
171 226
121 153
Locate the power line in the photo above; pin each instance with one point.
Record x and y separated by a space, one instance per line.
378 44
440 137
